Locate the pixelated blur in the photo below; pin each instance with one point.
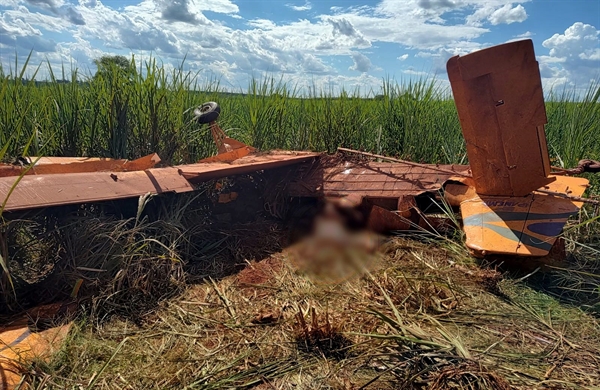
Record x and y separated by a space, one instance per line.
333 252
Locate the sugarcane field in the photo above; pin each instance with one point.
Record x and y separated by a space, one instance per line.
156 233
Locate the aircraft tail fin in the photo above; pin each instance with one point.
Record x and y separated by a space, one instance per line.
498 95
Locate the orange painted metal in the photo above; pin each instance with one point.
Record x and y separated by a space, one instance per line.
200 172
21 343
526 226
229 149
34 191
383 221
498 95
456 193
229 156
74 188
224 143
58 165
142 163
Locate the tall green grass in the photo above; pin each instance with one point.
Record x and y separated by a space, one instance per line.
574 125
149 109
113 114
13 115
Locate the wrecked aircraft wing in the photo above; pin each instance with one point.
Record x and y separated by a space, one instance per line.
72 188
525 226
69 185
54 165
373 179
199 172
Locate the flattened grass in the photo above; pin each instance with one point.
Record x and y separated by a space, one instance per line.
424 316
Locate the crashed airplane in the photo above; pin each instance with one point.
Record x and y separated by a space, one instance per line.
511 201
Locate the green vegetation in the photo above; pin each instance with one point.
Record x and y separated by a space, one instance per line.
127 112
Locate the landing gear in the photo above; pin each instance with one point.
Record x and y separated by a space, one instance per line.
207 113
229 149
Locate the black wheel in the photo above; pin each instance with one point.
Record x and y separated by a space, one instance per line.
208 112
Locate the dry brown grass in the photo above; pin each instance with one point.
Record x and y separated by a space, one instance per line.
421 318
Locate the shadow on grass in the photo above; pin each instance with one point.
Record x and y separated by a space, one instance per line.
122 258
573 280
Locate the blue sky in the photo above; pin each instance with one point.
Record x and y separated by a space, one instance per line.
327 43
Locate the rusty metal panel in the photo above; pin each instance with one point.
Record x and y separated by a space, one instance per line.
382 220
43 190
73 188
58 165
142 163
498 95
199 172
229 156
371 179
45 160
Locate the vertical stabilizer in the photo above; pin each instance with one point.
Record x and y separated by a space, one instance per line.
498 95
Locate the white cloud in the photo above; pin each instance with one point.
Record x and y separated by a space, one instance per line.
28 42
22 18
593 55
508 15
578 38
403 57
526 34
362 63
80 51
520 37
413 72
88 3
218 6
436 4
342 26
344 29
497 12
438 58
576 53
403 22
306 7
14 26
74 16
50 4
262 24
150 39
177 11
